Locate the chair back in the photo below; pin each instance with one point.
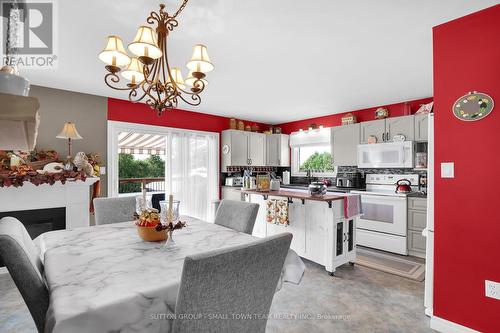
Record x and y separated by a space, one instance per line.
236 284
237 215
22 259
114 210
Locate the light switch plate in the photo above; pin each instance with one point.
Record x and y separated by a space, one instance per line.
102 170
448 170
492 289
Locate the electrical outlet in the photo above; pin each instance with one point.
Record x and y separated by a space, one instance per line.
492 289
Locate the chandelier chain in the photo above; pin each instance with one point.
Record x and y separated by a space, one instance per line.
181 8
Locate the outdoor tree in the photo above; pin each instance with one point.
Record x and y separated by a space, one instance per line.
318 161
130 167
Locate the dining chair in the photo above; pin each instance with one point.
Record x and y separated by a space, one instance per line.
237 215
21 257
155 200
114 210
235 285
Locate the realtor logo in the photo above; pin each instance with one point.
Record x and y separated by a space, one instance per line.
28 33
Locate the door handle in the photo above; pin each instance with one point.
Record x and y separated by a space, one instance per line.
383 136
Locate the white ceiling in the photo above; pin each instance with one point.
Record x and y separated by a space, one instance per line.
276 61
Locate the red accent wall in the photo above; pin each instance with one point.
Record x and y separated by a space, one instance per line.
120 110
467 217
395 110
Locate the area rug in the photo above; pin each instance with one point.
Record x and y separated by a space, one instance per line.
407 267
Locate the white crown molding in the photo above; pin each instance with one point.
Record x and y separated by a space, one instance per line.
445 326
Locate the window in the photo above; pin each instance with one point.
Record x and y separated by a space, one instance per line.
318 159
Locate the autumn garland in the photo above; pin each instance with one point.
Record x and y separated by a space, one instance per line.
18 177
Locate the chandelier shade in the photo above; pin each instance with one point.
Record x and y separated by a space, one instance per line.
134 71
145 44
190 81
150 76
114 53
200 61
176 75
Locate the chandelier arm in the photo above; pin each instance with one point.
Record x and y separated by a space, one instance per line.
194 85
112 78
133 94
194 97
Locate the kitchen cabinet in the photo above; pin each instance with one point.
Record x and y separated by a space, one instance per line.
417 221
277 150
385 129
400 125
240 148
345 140
374 128
421 126
320 233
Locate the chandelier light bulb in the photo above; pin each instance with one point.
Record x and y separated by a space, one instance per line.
200 61
114 53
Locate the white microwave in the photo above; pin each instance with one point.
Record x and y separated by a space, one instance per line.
386 155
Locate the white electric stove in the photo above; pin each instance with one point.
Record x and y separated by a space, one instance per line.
383 225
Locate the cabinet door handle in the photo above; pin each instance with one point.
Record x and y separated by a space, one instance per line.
250 161
387 136
345 236
383 136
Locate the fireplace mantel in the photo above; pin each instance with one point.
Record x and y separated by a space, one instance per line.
73 195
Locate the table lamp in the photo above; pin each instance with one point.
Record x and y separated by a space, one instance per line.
69 132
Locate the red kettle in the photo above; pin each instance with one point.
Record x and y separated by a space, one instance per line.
403 186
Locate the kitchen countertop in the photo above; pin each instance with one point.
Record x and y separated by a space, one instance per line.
297 194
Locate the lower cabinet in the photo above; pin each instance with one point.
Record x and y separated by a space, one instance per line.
319 232
231 193
417 220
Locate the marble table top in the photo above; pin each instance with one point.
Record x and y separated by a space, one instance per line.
106 279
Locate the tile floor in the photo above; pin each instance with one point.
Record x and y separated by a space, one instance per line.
357 299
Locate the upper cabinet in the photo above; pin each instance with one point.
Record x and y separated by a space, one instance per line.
385 129
400 126
241 148
374 128
421 126
277 150
345 140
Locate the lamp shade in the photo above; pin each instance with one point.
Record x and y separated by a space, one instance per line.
69 132
177 77
145 44
191 79
134 71
200 62
114 53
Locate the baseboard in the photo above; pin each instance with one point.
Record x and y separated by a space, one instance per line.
445 326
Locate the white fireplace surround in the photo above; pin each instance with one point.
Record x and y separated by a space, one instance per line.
73 195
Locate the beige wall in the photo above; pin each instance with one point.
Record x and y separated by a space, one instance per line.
88 112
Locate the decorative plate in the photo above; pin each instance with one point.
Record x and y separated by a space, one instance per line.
399 138
225 149
473 106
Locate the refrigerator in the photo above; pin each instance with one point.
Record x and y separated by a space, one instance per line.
428 232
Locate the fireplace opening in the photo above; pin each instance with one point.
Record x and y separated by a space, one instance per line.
38 221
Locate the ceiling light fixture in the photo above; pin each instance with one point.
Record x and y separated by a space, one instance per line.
149 74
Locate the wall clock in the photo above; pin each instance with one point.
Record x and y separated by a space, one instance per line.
473 106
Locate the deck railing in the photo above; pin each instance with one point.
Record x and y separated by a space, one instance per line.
134 185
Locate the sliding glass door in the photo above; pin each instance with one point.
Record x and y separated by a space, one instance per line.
191 160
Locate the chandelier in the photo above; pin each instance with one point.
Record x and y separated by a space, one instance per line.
149 75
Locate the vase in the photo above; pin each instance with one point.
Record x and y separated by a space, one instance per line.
164 210
170 240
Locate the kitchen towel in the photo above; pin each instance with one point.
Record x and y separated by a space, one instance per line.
352 205
277 211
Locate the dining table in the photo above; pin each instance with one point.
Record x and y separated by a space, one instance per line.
106 279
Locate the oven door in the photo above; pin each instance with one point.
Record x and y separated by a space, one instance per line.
383 213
